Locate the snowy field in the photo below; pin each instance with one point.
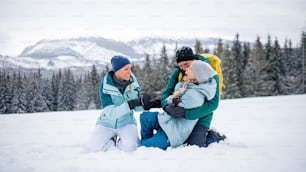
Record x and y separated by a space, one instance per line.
264 134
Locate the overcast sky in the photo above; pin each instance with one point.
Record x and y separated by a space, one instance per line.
24 22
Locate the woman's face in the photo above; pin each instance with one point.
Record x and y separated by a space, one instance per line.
124 73
189 74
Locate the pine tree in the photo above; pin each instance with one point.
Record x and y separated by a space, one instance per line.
56 78
67 92
173 59
164 57
303 56
47 93
35 101
162 71
3 92
245 56
276 67
238 63
19 99
291 81
271 69
95 81
9 86
136 70
198 49
256 81
82 98
90 103
146 82
229 75
219 50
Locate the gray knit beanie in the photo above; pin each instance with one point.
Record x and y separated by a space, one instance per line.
202 70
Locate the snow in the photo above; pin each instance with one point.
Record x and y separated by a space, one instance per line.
264 134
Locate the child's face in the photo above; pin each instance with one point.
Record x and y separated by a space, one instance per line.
189 74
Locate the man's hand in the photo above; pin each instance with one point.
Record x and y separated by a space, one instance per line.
145 100
175 111
153 104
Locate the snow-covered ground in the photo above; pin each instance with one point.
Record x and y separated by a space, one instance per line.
264 134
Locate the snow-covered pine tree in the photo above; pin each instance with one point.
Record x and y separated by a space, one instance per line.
19 96
198 49
67 92
3 92
47 92
246 49
35 101
9 86
146 80
238 64
161 71
89 102
303 61
256 82
291 81
82 96
95 81
56 78
271 68
219 50
276 66
230 76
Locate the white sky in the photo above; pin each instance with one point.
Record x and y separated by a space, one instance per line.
24 22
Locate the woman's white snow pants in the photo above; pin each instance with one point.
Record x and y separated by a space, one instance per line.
100 139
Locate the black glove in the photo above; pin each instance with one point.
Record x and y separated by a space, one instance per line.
145 100
153 104
133 103
175 111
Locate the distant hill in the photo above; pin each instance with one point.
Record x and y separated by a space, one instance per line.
80 54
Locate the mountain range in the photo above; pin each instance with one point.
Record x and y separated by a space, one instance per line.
79 54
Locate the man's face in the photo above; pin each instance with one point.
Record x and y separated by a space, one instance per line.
183 65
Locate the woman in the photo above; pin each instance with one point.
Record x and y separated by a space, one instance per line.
120 97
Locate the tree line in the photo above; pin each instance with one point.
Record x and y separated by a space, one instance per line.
249 70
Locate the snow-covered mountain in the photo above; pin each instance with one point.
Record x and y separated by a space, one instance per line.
80 54
153 46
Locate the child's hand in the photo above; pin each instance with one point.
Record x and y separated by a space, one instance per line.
175 101
182 90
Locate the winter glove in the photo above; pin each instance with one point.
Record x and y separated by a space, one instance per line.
153 104
134 102
145 100
175 101
175 111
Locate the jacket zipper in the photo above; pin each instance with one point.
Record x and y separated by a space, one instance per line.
116 123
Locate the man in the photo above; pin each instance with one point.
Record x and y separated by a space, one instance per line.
201 135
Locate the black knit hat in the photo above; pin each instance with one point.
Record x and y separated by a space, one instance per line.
184 54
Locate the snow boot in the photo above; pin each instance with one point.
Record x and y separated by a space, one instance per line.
216 135
114 139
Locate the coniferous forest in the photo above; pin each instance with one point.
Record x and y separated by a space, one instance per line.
249 70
